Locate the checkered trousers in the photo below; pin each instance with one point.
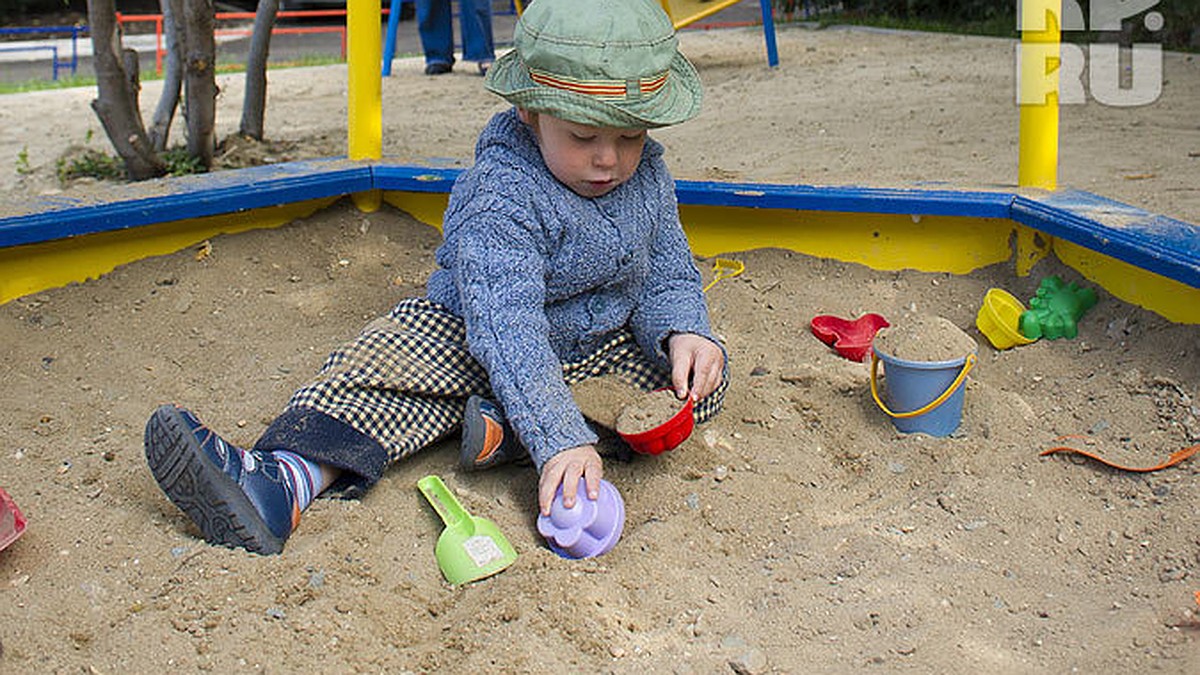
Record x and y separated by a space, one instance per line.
404 381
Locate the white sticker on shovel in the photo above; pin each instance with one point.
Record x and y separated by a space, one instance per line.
482 550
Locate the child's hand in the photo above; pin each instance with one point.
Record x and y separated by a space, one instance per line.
698 357
564 469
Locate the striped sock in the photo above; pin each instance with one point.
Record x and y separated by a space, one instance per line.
304 475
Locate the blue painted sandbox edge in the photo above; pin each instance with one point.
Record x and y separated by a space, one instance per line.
169 199
1165 246
929 202
850 199
414 178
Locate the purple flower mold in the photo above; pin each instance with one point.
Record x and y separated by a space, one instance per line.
588 529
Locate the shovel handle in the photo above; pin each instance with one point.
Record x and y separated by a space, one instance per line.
442 500
725 269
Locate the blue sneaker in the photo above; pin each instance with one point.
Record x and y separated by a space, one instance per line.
237 498
487 439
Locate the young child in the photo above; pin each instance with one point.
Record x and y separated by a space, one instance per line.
563 260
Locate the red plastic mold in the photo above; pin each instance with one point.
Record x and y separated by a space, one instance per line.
851 339
666 436
12 523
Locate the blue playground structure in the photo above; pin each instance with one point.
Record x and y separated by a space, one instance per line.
56 64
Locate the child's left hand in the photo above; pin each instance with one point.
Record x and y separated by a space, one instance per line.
699 358
565 469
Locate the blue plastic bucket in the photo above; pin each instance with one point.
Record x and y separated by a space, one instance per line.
914 385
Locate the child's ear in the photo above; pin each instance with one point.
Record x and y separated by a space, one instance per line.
528 117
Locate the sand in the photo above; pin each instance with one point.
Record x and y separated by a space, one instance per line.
797 532
648 411
927 339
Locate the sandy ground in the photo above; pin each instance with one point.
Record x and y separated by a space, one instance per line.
797 532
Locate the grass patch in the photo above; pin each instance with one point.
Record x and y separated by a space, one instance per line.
68 82
90 163
180 163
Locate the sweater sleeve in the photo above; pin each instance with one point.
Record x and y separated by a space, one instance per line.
497 263
672 299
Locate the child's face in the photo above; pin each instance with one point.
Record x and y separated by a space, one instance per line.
592 161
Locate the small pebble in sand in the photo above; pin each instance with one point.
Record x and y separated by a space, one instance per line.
925 338
648 411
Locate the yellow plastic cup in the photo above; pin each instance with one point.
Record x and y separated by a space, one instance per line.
999 317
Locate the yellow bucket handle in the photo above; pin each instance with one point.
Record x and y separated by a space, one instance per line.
725 269
962 376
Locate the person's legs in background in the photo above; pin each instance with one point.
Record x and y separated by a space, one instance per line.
475 17
437 35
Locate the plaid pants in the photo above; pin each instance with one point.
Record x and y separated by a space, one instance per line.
402 384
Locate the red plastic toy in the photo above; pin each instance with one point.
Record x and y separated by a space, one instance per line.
851 339
666 436
12 523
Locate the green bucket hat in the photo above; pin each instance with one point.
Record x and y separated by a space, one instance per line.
605 63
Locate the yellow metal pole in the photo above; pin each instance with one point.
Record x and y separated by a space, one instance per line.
1037 101
364 82
1038 94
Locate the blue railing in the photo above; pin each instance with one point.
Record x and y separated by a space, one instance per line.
55 63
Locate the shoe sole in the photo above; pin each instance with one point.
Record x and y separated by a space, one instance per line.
214 501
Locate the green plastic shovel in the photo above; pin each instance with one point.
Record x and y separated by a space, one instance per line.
470 548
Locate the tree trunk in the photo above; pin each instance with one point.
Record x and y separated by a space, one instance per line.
199 52
254 103
117 95
160 126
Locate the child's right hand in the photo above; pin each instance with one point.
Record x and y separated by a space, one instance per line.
564 469
697 360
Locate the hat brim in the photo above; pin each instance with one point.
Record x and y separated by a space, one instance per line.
677 101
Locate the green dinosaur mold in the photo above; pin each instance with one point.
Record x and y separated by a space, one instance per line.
1056 309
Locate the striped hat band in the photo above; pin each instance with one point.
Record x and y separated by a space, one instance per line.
611 90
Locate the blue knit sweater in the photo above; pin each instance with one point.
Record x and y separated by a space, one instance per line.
543 276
